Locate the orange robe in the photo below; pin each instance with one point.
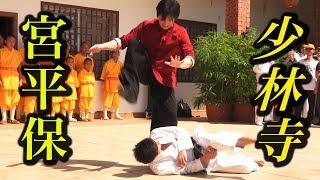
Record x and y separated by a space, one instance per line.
28 102
110 75
9 77
86 90
69 102
56 104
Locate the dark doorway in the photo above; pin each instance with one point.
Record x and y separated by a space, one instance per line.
8 24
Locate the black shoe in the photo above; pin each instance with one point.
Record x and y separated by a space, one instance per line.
148 115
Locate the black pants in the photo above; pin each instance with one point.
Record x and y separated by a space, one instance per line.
317 109
137 69
311 100
164 105
149 106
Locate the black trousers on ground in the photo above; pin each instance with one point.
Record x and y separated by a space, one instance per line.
312 102
164 105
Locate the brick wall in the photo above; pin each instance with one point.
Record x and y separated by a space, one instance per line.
237 16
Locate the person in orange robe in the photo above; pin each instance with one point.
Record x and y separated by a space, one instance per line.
69 103
110 76
10 60
1 42
56 105
28 103
79 57
78 60
86 80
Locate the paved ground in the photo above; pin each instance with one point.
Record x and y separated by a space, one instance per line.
102 150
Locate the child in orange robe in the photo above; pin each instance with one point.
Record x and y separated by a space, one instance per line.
81 56
28 102
86 80
110 76
69 103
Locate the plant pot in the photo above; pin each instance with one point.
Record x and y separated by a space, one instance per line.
243 113
219 112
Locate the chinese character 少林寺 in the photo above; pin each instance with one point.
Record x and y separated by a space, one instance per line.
279 86
281 36
279 139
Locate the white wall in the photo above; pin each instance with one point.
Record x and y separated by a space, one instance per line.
131 13
134 11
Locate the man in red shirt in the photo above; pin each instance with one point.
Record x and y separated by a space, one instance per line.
165 42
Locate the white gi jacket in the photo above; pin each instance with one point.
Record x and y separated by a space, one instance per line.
166 162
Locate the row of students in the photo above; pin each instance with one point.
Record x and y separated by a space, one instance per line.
81 79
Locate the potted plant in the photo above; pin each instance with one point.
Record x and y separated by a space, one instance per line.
245 81
215 73
227 82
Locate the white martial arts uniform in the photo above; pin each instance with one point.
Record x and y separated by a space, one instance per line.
311 66
299 56
260 69
179 139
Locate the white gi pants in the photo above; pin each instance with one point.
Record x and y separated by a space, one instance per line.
259 119
224 162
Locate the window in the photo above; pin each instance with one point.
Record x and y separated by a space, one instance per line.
194 29
88 24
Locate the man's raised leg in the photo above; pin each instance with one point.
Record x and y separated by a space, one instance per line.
222 140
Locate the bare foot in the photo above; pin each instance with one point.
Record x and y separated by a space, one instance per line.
243 141
260 163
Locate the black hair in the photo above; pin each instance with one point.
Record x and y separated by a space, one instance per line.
10 36
84 42
145 151
86 60
167 8
69 57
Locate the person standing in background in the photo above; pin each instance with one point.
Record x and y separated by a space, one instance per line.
312 66
10 60
28 103
1 42
110 76
69 103
86 80
81 56
260 69
298 56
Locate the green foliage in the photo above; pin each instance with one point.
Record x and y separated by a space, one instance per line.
224 69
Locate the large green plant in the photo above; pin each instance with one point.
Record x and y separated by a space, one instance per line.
223 68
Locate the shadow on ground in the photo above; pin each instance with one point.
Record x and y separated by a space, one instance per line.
130 171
